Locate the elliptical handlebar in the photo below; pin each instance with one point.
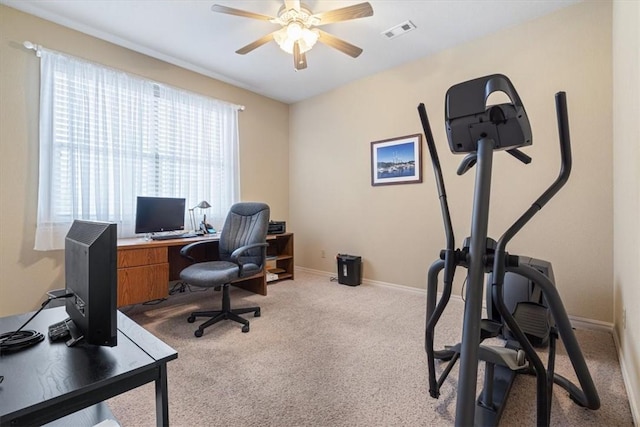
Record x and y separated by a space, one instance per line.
520 156
437 169
587 395
561 180
565 148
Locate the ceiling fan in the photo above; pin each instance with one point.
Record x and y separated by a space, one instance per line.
298 32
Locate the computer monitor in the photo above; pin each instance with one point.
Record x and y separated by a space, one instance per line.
90 262
157 214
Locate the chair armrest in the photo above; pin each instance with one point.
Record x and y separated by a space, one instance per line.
184 251
235 255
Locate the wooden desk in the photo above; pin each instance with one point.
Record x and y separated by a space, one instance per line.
145 267
49 380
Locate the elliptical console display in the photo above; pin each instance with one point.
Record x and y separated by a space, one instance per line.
468 119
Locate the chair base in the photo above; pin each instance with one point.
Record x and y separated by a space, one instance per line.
226 313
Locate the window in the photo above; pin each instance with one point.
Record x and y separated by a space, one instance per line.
107 137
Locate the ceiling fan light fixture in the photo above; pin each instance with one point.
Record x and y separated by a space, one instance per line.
295 32
298 32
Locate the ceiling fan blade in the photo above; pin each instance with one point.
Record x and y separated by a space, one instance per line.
256 44
360 10
292 4
299 58
341 45
231 11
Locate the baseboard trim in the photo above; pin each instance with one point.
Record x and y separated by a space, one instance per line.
364 281
576 321
634 401
312 271
590 324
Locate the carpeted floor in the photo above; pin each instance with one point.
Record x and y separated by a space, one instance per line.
325 354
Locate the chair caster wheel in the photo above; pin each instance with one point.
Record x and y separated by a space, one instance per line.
191 319
256 313
245 328
198 333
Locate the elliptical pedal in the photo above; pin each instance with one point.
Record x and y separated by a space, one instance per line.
489 329
533 319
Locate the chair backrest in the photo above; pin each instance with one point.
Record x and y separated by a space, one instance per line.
246 223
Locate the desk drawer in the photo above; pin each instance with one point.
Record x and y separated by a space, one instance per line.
141 284
144 256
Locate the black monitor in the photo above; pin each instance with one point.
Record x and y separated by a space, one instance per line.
90 263
157 214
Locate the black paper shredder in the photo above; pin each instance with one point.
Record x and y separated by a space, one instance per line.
349 269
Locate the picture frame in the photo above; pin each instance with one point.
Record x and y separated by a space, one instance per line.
397 160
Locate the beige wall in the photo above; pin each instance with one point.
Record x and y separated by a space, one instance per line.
626 204
25 274
398 229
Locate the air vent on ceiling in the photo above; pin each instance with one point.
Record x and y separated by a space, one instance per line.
399 30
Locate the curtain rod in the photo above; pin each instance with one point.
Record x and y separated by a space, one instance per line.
32 46
38 50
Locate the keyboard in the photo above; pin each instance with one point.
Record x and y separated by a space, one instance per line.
59 331
173 236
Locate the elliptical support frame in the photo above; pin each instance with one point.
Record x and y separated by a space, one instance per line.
479 258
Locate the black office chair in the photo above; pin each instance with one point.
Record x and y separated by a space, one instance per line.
242 253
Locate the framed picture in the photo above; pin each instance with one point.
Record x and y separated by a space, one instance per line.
397 160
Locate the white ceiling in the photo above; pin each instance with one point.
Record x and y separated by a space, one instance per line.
188 34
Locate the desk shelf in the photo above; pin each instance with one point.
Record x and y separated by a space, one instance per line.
281 251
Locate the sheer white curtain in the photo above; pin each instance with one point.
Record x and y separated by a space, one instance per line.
107 137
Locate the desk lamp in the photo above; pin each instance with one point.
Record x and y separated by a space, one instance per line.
202 205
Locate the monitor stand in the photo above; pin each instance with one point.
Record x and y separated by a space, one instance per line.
74 332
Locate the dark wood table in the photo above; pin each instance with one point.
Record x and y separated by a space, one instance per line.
49 380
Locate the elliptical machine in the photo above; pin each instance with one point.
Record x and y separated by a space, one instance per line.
479 130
